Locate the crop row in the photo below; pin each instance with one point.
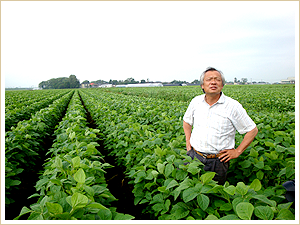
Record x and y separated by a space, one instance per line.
266 98
271 157
73 184
20 112
17 99
24 144
146 136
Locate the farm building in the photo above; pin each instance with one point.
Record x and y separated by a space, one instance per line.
84 85
141 85
105 85
289 80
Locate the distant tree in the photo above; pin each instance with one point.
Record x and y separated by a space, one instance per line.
178 82
60 83
196 82
143 81
130 81
74 83
100 82
43 84
235 80
113 82
85 82
244 80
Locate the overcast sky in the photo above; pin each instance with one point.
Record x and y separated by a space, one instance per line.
155 40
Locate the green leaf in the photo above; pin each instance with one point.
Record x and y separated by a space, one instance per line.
260 175
162 189
79 176
264 199
89 190
104 214
56 181
245 210
76 162
121 216
35 216
235 202
285 214
211 217
230 190
230 217
91 147
158 151
285 205
253 153
171 158
72 135
158 207
259 165
167 205
173 183
14 182
190 218
181 174
139 176
203 201
157 199
255 185
226 207
41 183
63 216
96 205
24 210
189 194
154 173
168 169
193 168
54 207
58 162
241 188
79 200
207 177
160 167
269 144
245 164
264 212
181 212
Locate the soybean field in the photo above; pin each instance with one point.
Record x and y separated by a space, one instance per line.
119 154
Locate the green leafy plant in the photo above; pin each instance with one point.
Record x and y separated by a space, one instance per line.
147 138
73 185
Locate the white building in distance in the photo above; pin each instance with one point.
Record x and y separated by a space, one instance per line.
289 80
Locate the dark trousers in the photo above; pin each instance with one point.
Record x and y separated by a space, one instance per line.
214 165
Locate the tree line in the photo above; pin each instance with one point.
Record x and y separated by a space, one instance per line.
133 81
73 82
60 83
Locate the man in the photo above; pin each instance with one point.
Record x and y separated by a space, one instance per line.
210 124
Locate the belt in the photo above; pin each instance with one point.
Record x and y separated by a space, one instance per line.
209 156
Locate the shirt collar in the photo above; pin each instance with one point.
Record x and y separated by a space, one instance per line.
222 98
220 101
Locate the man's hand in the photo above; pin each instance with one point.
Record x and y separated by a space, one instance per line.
188 146
228 154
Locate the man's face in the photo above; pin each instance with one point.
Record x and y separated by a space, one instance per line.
212 83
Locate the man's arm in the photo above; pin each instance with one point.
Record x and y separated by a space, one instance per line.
188 131
229 154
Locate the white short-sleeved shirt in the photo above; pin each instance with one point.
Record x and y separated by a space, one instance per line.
214 127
